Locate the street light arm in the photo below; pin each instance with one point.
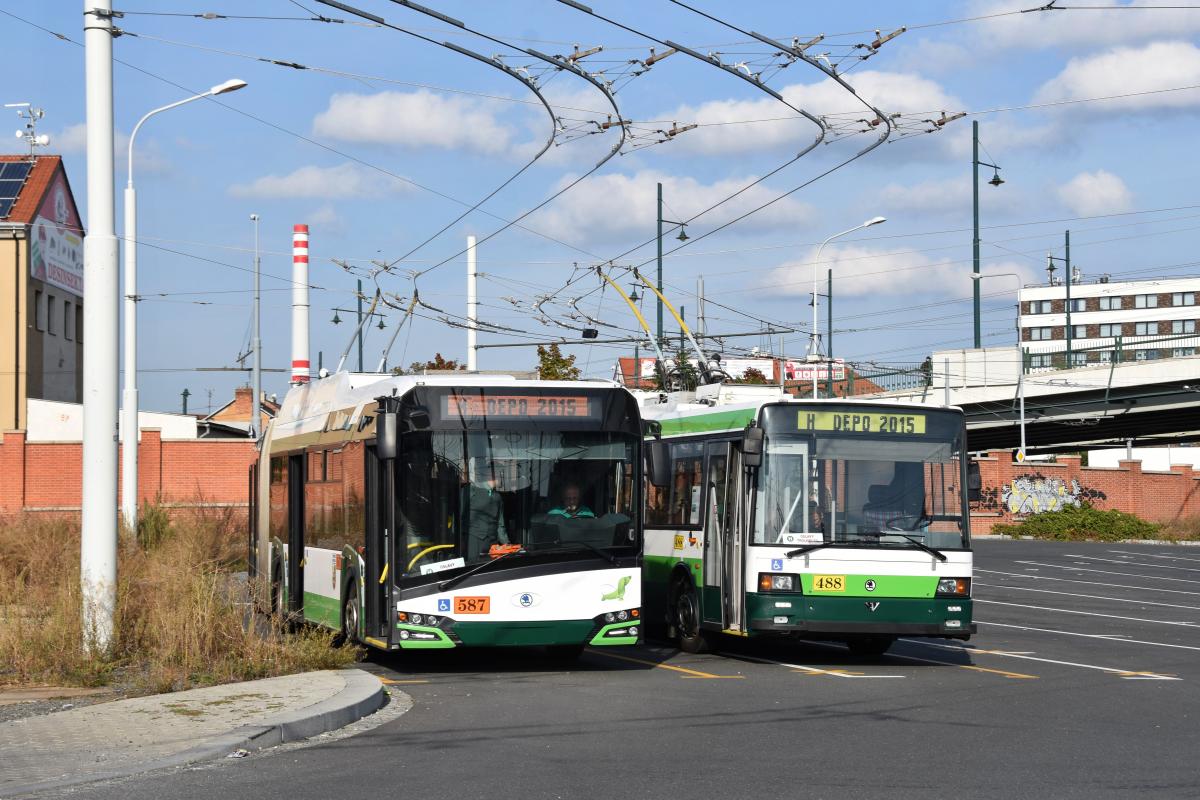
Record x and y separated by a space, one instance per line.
227 86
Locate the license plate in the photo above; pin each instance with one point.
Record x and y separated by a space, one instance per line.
472 605
829 583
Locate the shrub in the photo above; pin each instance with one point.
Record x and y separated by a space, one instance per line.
182 614
1082 523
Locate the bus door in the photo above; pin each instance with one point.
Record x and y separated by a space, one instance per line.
724 558
735 552
379 523
296 554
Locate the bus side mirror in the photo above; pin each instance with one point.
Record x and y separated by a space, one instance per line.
974 482
752 448
652 427
658 463
386 435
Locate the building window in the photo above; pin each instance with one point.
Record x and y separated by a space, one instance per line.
50 326
1111 330
1183 326
1110 304
39 310
1183 299
1079 331
1040 334
1040 307
78 323
1040 361
1180 352
1079 304
1145 301
1145 355
1145 328
68 321
1079 359
1106 356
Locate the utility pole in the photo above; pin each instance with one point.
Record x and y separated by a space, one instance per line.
1066 259
98 542
256 342
701 324
360 325
975 219
829 329
660 282
472 305
185 394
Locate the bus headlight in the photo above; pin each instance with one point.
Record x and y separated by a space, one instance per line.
622 615
775 582
953 587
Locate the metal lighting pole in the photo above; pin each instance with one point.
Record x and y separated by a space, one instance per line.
360 325
995 181
98 534
256 343
129 430
812 342
1066 259
683 237
1020 354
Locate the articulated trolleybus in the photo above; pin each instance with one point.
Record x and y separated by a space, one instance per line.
437 512
822 519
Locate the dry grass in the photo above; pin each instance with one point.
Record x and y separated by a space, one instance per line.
1182 530
182 620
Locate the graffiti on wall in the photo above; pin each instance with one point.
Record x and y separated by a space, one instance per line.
1033 494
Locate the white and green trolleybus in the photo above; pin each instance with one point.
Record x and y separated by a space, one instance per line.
815 519
438 512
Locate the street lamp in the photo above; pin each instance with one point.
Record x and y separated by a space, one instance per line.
978 277
129 440
812 342
995 181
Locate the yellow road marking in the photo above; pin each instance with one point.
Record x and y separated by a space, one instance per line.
390 682
1005 673
690 673
1146 674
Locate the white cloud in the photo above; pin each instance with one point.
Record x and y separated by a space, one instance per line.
1085 28
608 207
344 180
1123 70
865 271
890 91
419 119
1092 193
326 221
148 158
945 196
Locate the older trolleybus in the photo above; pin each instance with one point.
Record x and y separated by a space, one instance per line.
820 519
437 512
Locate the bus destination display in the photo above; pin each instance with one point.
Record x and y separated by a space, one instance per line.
862 422
467 406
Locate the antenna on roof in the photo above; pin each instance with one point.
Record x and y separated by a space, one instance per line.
31 115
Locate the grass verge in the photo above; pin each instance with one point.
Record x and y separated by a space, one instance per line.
182 618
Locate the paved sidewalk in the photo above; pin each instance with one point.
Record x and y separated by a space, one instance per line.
129 736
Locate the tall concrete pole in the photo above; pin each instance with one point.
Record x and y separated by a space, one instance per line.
300 362
472 304
256 342
129 395
98 543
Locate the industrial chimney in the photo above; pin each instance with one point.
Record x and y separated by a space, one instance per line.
300 366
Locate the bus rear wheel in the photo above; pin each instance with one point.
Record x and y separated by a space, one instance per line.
350 615
685 612
870 646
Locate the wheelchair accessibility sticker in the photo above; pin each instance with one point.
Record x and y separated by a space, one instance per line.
444 604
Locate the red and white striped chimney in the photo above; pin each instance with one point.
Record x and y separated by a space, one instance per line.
300 365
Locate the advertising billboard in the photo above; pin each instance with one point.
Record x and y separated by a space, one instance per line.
56 252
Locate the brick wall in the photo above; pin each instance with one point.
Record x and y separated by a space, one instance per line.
1012 491
47 476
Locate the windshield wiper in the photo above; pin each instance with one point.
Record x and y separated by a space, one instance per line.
938 554
574 546
457 579
808 548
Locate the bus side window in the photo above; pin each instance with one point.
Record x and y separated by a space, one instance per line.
687 460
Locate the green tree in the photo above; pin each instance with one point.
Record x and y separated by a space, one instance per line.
554 366
754 376
435 363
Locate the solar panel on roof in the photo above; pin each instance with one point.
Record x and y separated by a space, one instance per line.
12 178
15 170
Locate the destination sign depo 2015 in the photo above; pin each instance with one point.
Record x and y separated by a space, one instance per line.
862 422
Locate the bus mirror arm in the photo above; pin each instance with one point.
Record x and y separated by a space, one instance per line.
651 427
752 448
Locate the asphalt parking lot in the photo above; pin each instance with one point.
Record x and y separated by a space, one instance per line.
1082 683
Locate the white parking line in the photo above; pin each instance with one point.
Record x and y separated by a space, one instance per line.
1124 673
1125 563
1089 583
1089 596
1091 614
836 673
1111 637
1155 555
1110 572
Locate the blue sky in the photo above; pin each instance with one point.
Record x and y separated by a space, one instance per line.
378 153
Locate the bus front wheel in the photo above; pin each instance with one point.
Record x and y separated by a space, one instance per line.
350 615
685 608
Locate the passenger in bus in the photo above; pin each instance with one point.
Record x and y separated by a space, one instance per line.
570 507
484 507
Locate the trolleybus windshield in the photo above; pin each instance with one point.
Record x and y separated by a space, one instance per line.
868 480
466 497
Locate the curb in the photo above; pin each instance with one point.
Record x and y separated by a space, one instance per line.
363 694
1159 542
